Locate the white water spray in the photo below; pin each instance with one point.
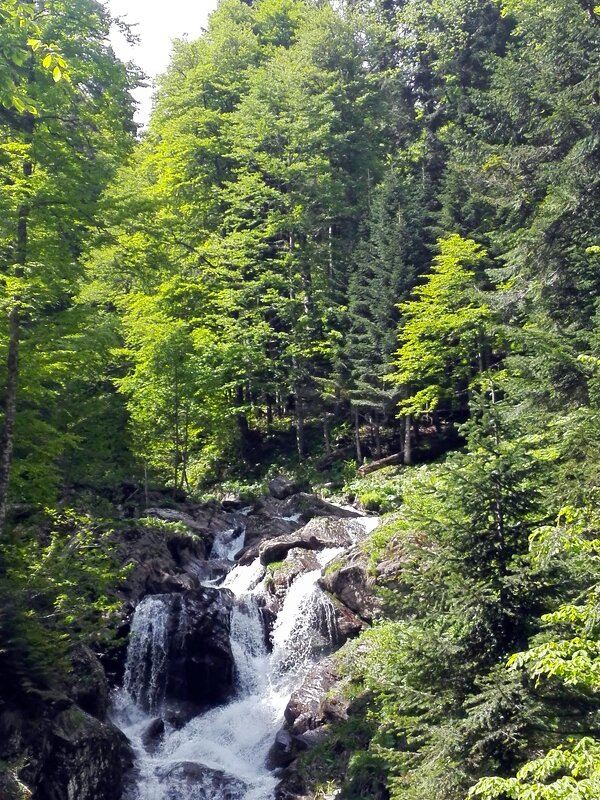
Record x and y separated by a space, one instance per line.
221 754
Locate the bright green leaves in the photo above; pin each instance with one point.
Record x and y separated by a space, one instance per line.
21 34
569 772
443 330
575 661
565 773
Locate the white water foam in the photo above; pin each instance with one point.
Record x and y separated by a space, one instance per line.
147 654
221 754
227 544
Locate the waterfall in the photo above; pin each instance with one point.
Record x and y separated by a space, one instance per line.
227 544
221 754
145 671
305 626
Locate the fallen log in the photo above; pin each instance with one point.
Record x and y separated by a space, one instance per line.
334 456
366 469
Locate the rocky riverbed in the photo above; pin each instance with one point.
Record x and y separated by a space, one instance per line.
228 610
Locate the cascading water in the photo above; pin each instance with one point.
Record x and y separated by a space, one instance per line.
222 753
147 654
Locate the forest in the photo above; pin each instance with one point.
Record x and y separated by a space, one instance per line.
352 233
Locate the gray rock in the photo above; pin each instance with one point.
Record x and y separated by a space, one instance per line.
186 777
198 669
351 582
284 750
282 487
89 686
153 733
85 759
312 705
318 534
297 562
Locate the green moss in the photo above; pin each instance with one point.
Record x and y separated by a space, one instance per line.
381 491
333 566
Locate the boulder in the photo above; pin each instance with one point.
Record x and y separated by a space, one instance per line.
350 581
284 750
188 779
318 534
293 785
297 562
85 760
162 561
313 704
153 734
348 625
89 686
175 515
281 487
182 657
11 788
200 660
308 506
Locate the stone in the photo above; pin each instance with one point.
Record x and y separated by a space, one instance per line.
187 779
318 534
89 686
188 666
200 669
350 581
284 750
279 579
153 733
348 624
308 506
282 487
85 760
232 502
310 706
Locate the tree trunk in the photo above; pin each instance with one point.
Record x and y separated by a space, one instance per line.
326 434
377 439
357 437
300 439
146 500
366 469
176 401
7 442
408 440
10 410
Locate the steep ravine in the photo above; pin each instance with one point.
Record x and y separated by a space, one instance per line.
211 671
228 620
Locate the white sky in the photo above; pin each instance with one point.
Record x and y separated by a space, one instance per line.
158 22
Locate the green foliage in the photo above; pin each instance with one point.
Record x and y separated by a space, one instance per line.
22 35
168 526
571 659
561 774
443 330
380 492
58 589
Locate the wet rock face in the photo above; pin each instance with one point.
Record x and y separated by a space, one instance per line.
162 561
297 562
200 667
68 754
86 759
89 686
310 707
352 584
180 658
318 534
188 779
285 749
